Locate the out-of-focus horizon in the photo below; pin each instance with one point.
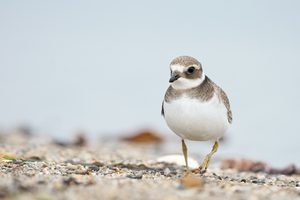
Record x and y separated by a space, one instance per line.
102 67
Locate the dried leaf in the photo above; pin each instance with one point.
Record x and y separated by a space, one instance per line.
288 170
257 166
243 165
191 181
144 137
80 140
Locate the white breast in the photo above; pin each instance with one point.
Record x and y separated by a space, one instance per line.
196 120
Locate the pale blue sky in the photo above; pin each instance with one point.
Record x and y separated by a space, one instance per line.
103 66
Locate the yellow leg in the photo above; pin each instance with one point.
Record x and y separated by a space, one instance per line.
207 158
184 151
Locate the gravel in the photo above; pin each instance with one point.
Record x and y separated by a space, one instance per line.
117 170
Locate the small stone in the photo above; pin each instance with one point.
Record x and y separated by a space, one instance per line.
41 182
167 172
70 181
134 176
93 168
33 159
99 164
138 175
82 172
71 166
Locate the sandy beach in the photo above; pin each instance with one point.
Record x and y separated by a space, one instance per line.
34 167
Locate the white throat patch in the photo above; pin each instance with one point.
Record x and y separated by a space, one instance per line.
184 83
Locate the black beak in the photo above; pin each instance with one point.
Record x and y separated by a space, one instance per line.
174 77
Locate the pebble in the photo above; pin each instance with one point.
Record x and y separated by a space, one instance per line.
132 176
138 175
167 172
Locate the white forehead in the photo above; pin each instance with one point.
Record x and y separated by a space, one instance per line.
181 68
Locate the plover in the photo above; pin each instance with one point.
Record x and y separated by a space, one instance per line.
194 107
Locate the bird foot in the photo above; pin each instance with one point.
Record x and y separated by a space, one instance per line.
203 167
201 170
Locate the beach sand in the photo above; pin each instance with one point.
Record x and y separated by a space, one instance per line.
35 167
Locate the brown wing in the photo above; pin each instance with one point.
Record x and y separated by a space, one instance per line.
223 97
225 100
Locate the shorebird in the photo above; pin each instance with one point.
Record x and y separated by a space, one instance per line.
194 107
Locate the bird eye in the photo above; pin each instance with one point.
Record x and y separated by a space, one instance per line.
191 70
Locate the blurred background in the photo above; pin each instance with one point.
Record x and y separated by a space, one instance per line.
102 67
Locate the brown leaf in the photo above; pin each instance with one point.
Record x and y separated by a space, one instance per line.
288 170
144 137
191 181
257 166
80 140
243 165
